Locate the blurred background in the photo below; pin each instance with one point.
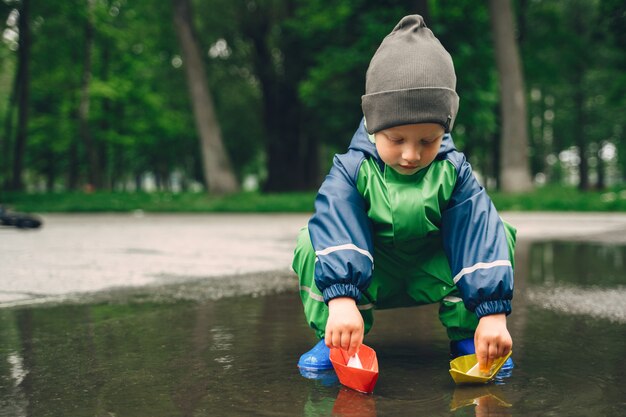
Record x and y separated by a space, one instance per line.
220 97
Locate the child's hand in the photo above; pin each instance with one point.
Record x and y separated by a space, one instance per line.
344 328
492 340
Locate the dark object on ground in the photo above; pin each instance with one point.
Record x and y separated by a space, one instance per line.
19 220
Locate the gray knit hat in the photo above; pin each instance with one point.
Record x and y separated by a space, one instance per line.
410 80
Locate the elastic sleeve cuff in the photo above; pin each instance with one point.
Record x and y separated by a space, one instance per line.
488 308
341 290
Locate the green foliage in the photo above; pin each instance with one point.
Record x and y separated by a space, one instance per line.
463 28
341 36
140 114
571 54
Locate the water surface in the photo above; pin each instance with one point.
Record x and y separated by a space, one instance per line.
237 356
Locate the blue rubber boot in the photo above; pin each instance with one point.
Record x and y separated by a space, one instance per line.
466 347
461 348
316 364
316 359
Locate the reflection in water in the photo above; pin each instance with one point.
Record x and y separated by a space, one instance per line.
13 400
350 403
486 400
577 278
581 264
489 400
237 356
16 405
17 368
601 303
338 401
327 378
222 343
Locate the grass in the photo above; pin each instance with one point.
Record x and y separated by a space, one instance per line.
553 198
77 202
543 199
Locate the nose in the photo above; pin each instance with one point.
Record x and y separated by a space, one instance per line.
411 153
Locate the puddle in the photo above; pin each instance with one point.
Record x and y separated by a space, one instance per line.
585 279
237 356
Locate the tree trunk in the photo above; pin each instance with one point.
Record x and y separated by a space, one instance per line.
138 183
23 64
73 169
515 174
94 174
218 172
495 159
580 23
601 184
5 148
292 151
579 133
50 169
109 174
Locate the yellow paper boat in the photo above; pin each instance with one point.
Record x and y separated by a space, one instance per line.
464 369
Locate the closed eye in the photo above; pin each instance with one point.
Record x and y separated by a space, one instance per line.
395 140
430 141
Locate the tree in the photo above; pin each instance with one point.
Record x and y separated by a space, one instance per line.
108 90
334 42
515 168
279 61
23 75
94 173
463 27
219 176
574 68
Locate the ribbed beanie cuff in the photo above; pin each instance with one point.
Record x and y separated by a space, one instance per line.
416 105
410 79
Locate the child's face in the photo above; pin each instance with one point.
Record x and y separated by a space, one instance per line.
409 148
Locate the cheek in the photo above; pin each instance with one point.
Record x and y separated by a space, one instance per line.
432 153
386 153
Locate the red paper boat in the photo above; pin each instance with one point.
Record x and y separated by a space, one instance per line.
362 380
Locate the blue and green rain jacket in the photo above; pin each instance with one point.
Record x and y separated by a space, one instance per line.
363 203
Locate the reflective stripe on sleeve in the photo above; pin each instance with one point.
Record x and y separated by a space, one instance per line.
480 265
348 246
314 296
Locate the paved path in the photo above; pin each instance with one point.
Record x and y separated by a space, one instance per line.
86 254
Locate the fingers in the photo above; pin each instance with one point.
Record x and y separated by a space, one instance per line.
344 328
346 340
336 339
355 342
488 352
505 350
492 340
491 357
482 354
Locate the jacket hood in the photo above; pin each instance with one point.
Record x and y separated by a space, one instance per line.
361 142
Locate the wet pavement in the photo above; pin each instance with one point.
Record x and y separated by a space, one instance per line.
73 256
115 328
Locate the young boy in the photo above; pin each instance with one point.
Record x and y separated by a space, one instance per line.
405 201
